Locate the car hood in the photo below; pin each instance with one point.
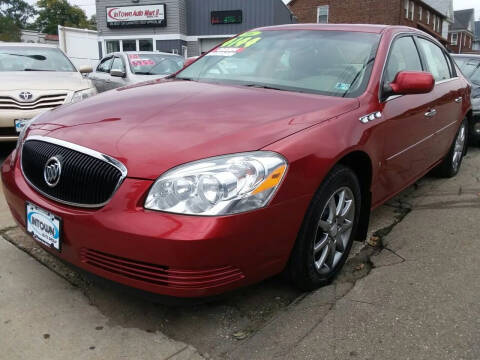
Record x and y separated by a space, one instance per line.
43 80
152 127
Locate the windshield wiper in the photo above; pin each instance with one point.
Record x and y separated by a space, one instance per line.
260 86
35 57
28 69
357 75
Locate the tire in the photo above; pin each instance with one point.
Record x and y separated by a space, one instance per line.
325 239
450 166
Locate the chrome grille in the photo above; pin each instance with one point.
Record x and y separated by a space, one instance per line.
88 178
42 102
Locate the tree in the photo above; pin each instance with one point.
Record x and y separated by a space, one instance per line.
9 31
52 13
18 11
92 22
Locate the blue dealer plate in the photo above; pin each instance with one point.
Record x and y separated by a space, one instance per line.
43 226
20 124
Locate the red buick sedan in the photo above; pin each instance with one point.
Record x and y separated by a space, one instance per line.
265 155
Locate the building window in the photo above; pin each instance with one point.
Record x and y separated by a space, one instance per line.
464 40
453 38
145 45
412 10
406 2
420 10
322 14
428 17
129 45
470 41
113 46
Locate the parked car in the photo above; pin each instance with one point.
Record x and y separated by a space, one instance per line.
469 64
224 175
124 68
36 78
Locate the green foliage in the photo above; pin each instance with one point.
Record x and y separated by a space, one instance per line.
18 11
52 13
9 31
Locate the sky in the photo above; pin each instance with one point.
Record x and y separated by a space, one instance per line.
89 5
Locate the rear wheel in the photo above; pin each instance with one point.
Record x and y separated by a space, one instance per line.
450 166
326 237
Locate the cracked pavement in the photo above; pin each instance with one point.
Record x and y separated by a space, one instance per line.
409 293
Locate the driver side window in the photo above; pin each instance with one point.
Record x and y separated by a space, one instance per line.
105 65
403 57
118 64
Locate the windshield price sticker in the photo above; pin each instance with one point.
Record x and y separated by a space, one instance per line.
133 56
237 45
142 62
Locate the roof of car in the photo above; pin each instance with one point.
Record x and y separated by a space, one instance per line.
338 27
28 45
146 52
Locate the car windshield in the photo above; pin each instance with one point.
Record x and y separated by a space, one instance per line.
470 68
334 63
154 64
16 58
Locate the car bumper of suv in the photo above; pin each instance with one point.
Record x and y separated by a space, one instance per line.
168 254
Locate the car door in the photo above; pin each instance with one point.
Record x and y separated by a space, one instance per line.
407 131
447 108
101 73
116 81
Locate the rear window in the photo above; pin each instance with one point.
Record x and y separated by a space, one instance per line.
154 64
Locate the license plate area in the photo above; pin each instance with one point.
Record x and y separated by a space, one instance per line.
44 226
20 124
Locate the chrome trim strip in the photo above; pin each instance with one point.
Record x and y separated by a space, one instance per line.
421 141
81 149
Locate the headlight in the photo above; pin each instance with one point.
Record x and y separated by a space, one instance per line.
22 133
220 185
83 94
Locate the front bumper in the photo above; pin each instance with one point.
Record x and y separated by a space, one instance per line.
7 122
168 254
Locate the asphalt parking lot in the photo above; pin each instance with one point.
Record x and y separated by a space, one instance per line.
411 292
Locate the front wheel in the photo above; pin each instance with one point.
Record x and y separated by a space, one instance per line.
326 237
450 166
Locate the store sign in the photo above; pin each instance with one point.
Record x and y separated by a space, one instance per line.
226 17
135 16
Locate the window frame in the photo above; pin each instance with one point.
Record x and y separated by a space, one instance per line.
420 13
412 10
121 60
452 42
448 59
323 7
398 36
428 17
105 59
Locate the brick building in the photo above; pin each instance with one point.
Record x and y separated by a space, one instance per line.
461 35
414 13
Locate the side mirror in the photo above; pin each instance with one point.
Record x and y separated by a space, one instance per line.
85 69
409 82
117 73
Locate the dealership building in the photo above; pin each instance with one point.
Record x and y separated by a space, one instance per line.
186 27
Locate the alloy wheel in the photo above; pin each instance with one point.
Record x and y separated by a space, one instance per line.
334 230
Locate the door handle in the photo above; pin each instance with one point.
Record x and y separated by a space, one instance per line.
458 100
431 113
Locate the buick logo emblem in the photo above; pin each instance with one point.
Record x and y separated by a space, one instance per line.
52 171
25 96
